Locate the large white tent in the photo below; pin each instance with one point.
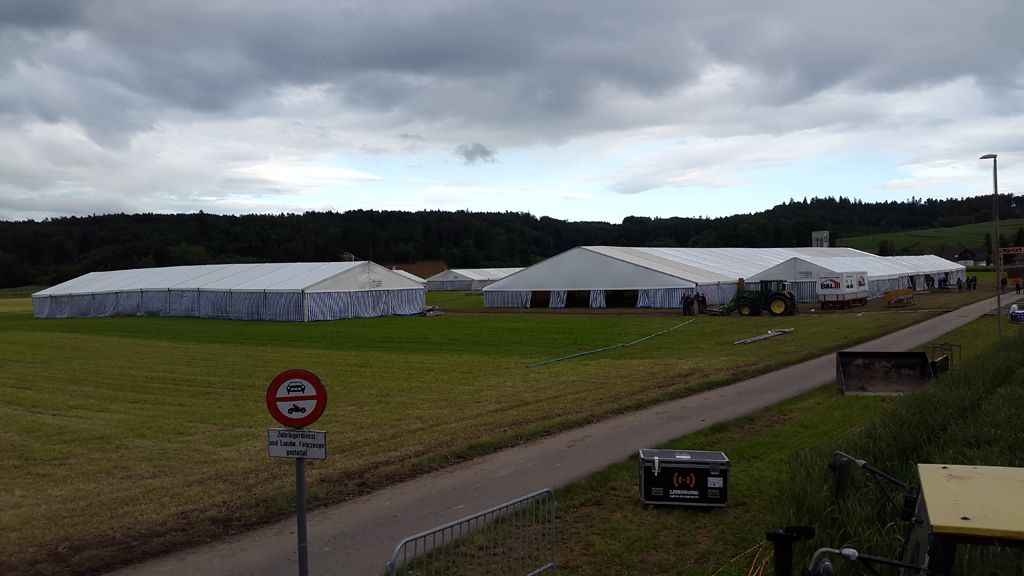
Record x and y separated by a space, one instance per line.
884 272
296 292
467 279
662 277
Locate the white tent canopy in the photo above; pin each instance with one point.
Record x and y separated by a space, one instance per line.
930 269
884 272
410 276
663 277
803 273
468 279
301 291
713 265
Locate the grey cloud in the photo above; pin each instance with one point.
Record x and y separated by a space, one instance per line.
543 68
448 75
40 13
475 152
805 47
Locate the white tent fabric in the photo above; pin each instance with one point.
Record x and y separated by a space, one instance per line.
712 271
467 279
803 274
930 270
884 272
410 276
291 292
662 276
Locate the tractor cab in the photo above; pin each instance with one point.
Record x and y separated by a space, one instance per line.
772 296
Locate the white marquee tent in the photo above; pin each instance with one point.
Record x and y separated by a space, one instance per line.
884 272
661 277
296 292
467 279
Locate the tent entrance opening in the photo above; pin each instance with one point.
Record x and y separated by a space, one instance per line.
621 298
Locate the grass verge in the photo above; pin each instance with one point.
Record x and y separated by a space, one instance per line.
779 477
603 528
970 417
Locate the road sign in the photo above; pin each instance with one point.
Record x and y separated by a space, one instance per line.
297 443
296 398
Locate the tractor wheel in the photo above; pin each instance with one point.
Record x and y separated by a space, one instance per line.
778 306
747 308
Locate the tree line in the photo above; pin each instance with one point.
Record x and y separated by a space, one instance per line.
56 249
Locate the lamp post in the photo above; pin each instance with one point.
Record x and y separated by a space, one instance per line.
995 245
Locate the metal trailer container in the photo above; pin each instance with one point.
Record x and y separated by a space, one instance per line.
843 290
684 477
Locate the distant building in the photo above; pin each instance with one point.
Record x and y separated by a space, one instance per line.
967 256
819 239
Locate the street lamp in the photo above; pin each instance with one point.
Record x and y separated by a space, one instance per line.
995 244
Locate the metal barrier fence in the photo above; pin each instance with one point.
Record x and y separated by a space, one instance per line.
516 538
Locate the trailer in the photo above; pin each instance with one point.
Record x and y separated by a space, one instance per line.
843 290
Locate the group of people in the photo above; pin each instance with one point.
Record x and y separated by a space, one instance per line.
1016 284
699 300
970 284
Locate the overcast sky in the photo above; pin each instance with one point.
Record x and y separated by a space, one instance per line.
591 110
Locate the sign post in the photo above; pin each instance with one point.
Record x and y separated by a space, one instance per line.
296 398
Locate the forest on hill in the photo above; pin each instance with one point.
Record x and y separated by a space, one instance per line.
56 249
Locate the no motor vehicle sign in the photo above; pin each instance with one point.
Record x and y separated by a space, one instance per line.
296 398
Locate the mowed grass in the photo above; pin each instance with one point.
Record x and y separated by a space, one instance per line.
778 474
127 437
604 528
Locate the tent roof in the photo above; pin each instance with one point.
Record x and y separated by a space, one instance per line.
409 275
630 268
805 269
281 277
927 264
473 274
877 267
583 268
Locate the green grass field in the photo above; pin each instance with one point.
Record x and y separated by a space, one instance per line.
934 239
127 437
20 291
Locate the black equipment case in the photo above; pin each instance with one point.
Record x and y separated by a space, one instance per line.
684 477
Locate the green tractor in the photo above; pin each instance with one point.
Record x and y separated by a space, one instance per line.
774 297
